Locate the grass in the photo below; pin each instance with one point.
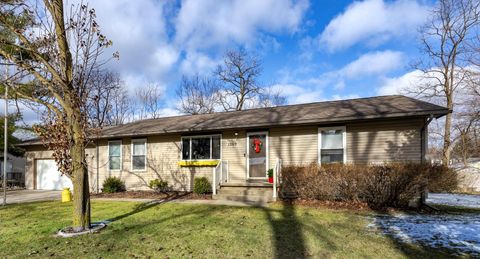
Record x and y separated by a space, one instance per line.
199 231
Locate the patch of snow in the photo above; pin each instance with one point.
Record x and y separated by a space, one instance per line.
457 233
450 199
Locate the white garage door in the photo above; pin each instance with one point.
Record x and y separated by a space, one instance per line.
48 176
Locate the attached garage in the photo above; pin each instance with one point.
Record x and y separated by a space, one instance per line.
48 177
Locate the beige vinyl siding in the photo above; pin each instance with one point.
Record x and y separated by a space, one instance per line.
294 145
382 141
163 154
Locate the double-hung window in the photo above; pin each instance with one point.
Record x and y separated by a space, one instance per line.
331 145
201 147
115 155
139 154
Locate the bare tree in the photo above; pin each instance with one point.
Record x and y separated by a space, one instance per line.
54 57
444 42
269 98
101 90
198 95
122 107
149 105
467 121
239 73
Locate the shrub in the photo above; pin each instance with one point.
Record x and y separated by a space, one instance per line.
441 178
202 185
159 185
113 184
388 185
393 185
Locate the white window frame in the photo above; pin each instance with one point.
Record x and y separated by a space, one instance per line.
121 155
136 140
190 146
344 140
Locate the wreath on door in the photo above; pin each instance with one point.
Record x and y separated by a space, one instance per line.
257 145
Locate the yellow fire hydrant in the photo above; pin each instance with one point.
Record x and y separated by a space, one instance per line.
66 195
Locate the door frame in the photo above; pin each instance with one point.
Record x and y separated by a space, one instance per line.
248 153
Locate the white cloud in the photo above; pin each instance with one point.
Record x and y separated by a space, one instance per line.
373 22
29 115
311 89
197 62
205 29
398 85
139 34
296 94
211 23
372 63
344 97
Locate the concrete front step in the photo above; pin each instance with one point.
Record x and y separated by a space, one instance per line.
244 198
247 184
245 191
256 192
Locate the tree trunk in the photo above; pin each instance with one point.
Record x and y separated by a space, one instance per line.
446 137
81 190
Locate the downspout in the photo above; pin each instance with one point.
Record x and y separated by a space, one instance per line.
98 164
424 138
423 153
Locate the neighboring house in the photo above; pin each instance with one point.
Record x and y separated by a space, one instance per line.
243 145
15 170
469 175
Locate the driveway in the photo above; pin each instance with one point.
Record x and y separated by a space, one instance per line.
22 196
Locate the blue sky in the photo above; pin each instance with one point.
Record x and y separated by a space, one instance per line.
311 50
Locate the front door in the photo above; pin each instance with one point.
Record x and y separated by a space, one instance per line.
257 155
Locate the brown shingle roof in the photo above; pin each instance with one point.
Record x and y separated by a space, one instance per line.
311 113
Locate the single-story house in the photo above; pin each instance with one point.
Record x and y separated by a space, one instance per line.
237 148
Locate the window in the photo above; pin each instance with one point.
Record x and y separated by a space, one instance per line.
139 154
114 155
201 147
331 143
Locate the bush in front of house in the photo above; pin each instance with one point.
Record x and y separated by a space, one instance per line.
442 179
113 184
159 185
387 185
201 185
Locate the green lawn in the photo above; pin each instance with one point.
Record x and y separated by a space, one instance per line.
198 231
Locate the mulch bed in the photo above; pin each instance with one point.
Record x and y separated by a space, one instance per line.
153 195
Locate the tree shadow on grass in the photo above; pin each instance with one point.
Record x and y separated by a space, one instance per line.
288 240
147 205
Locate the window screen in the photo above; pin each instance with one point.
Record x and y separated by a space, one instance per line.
138 154
331 146
114 155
